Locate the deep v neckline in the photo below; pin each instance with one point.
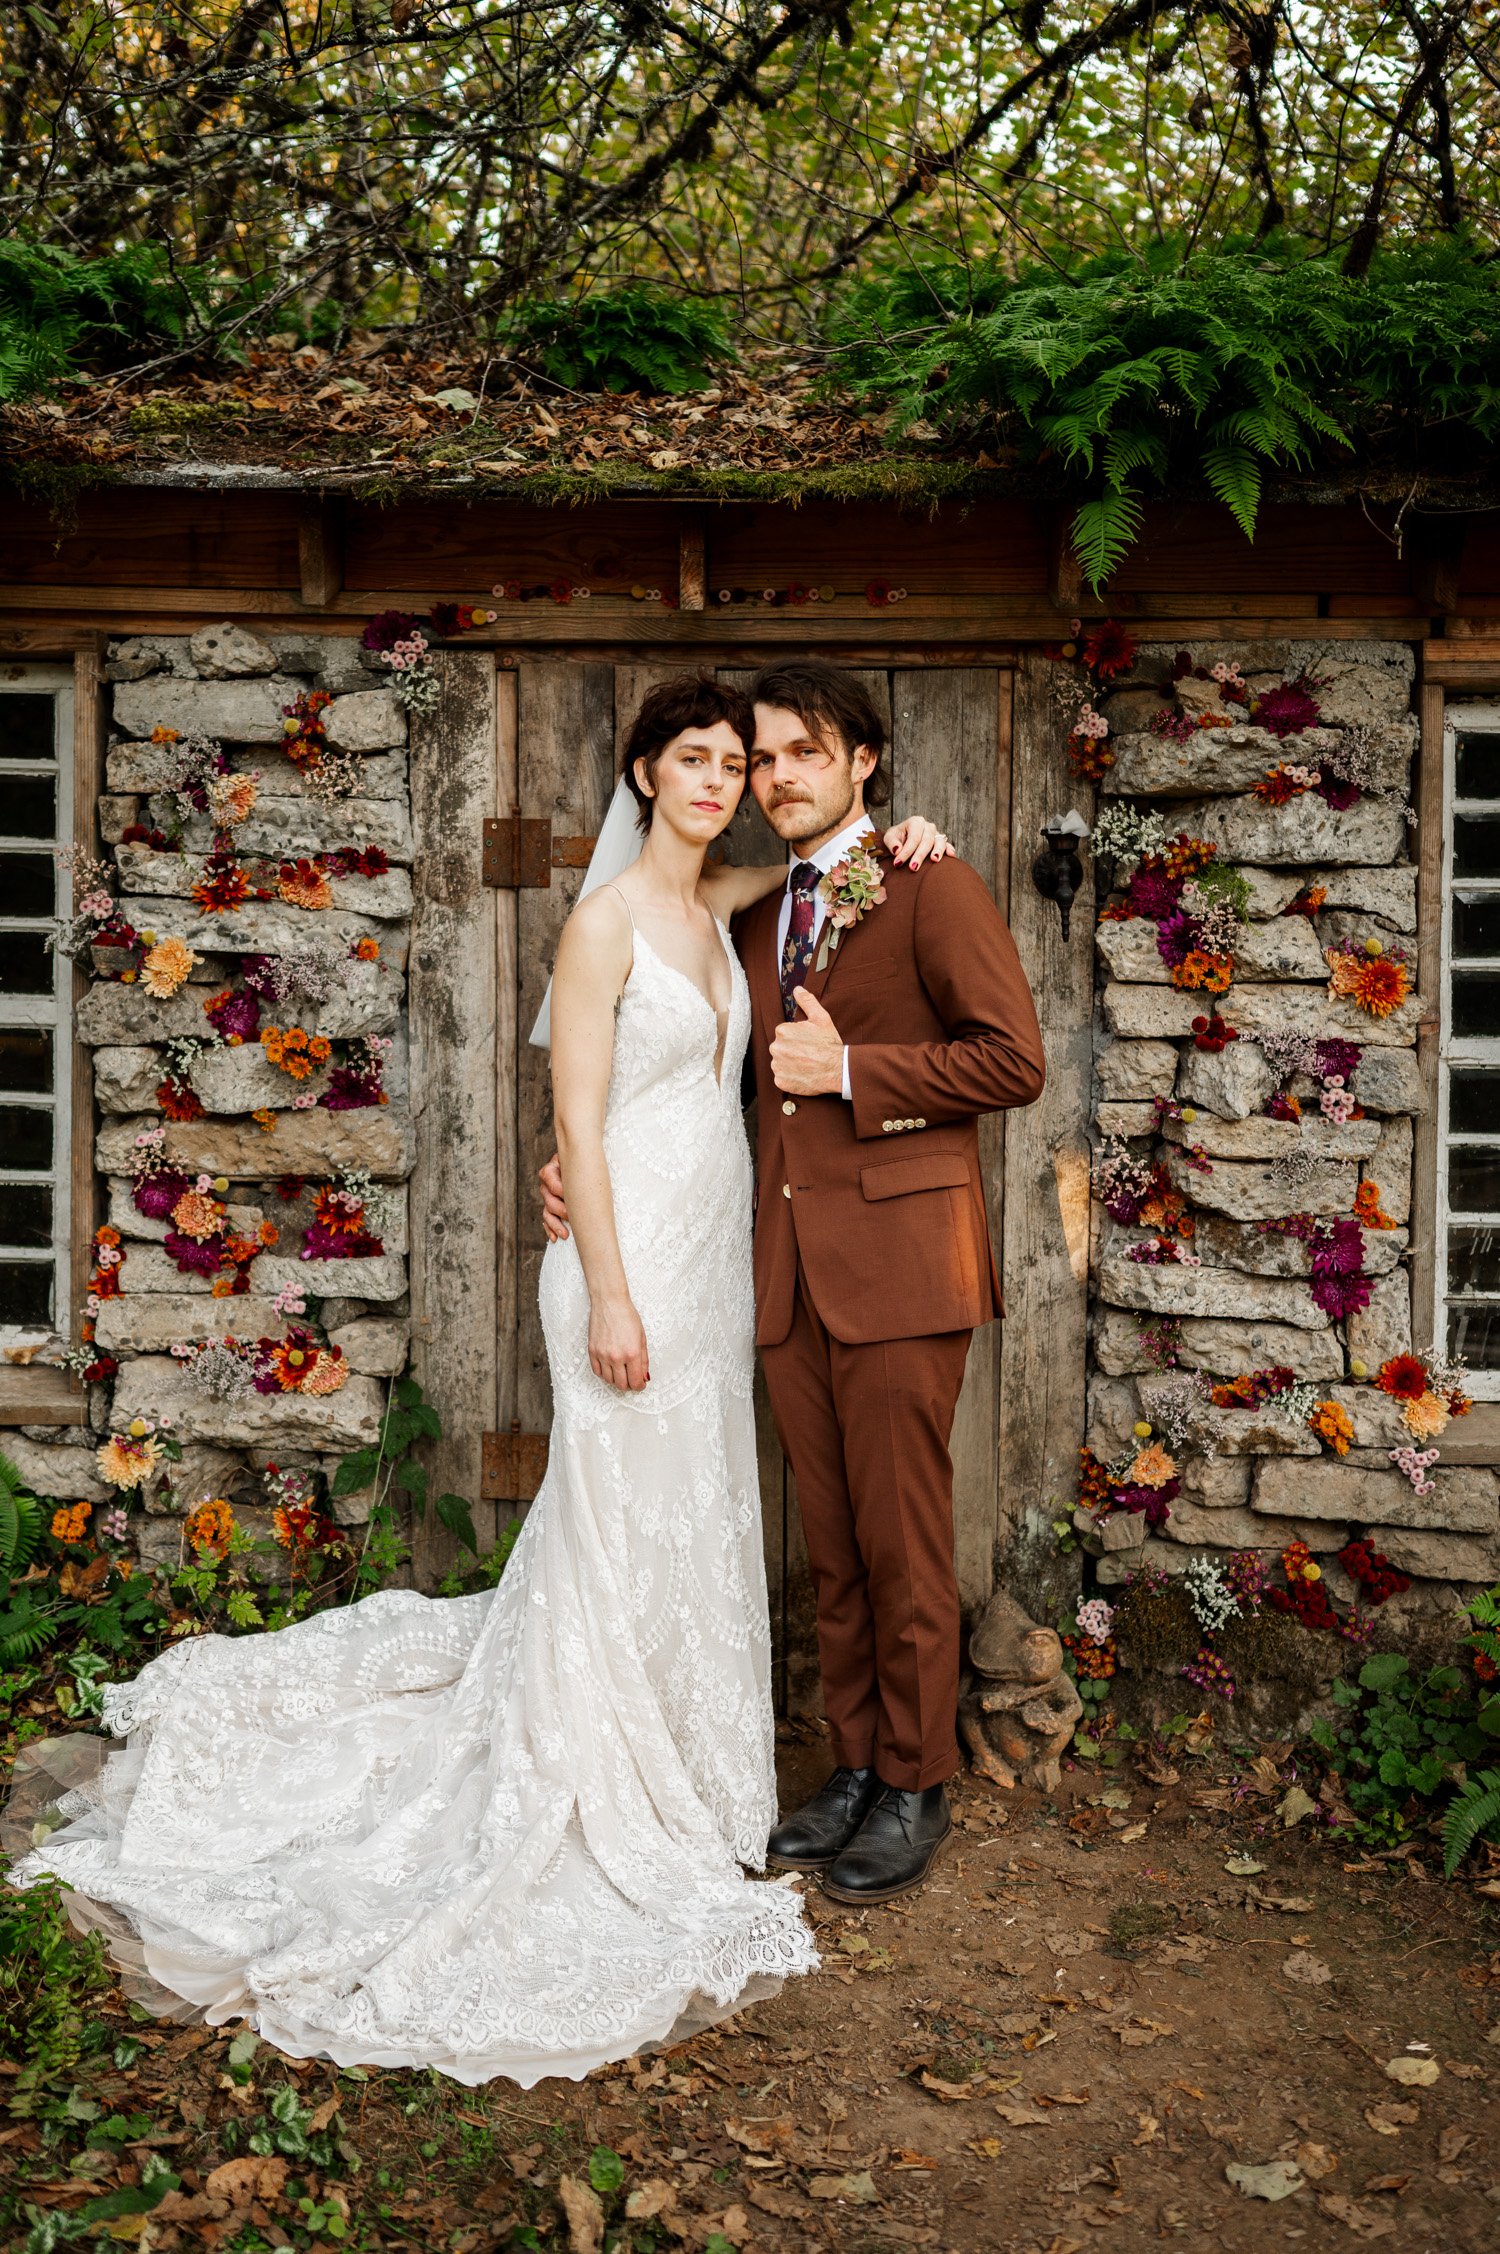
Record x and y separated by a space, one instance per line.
721 1023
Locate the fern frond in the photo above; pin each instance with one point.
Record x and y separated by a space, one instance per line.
1234 476
1473 1814
1103 532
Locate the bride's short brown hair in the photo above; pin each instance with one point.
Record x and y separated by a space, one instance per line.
692 700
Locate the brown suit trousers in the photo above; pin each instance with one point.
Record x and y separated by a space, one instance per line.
872 1267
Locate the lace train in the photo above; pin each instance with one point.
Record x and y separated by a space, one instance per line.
501 1834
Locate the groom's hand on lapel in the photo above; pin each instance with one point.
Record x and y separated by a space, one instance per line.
807 1054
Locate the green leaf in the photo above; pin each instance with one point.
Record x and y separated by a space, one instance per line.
454 1514
1384 1671
1488 1717
606 2169
355 1471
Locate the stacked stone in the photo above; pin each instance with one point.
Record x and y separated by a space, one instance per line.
232 685
1249 1479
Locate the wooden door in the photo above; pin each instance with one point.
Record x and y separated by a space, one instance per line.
544 742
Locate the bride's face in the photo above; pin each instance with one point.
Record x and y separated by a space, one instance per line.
697 782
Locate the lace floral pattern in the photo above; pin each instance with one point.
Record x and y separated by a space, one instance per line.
502 1834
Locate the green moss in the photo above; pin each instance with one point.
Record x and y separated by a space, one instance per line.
1156 1631
60 485
178 414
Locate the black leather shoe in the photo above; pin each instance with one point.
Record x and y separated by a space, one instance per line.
894 1848
810 1839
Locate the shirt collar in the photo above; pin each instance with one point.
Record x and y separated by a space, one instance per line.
827 856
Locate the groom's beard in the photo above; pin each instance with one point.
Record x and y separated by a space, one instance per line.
816 818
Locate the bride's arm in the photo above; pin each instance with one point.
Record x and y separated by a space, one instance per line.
593 963
729 890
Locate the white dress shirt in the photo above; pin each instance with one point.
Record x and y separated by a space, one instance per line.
826 857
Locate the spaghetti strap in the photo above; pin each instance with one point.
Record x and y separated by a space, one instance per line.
628 910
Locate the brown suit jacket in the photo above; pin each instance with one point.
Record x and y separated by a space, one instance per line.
883 1197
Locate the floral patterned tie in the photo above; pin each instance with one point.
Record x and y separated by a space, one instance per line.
796 953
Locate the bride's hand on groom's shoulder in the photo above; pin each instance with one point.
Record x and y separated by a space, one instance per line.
554 1205
617 1346
917 840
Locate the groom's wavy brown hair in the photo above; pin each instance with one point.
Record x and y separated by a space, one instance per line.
829 702
692 700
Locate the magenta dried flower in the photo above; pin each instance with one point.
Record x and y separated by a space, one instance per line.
1153 894
1176 937
1336 792
193 1258
1286 711
155 1195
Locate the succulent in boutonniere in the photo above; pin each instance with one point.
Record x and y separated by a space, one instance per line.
851 888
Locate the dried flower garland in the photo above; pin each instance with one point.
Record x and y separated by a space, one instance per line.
327 775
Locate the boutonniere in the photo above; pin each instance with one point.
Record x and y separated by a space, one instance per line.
851 889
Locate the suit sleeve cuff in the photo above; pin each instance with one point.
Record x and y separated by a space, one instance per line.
846 1091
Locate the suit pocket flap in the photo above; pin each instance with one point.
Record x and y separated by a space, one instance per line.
898 1177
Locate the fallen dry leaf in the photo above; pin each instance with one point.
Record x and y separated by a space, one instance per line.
953 2093
907 2158
648 2200
1365 2222
988 2148
858 2189
1306 1969
1294 1806
1271 2179
1149 2129
1021 2116
1390 2120
1140 2032
1130 1834
244 2181
771 2200
1062 2097
1242 1866
585 2213
321 2115
1316 2161
1451 2142
761 2136
1413 2073
1394 2185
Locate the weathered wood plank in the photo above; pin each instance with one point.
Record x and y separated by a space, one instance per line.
1044 1273
510 1185
1426 1153
565 770
320 550
452 1001
944 727
90 726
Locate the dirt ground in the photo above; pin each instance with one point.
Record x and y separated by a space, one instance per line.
1062 2043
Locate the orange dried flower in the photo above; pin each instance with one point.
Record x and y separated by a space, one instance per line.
265 1119
1332 1423
298 1053
1403 1377
1367 1208
303 885
197 1216
367 950
210 1528
71 1523
1426 1417
329 1372
1153 1467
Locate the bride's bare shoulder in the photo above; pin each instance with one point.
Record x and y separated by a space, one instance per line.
596 939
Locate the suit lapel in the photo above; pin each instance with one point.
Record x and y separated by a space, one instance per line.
758 954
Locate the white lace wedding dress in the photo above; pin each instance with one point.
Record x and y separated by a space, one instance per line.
501 1834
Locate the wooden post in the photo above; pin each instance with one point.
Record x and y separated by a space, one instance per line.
1435 547
1425 1155
320 550
90 726
692 563
452 999
1044 1275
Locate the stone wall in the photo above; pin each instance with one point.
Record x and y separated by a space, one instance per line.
1255 1478
266 1142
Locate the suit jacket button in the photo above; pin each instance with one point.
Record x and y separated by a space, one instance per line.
789 1107
908 1123
921 1123
885 1126
786 1189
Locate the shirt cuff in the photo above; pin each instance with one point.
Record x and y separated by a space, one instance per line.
848 1093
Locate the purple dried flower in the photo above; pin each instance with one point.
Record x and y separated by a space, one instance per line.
1338 1059
1286 711
237 1018
1176 937
1153 894
193 1258
349 1090
156 1194
1336 792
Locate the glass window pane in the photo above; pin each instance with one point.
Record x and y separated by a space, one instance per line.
28 884
1473 1178
25 1138
1474 1101
1476 923
1473 1261
26 1213
1476 1003
1477 768
25 1060
25 1291
28 727
27 965
1474 1332
28 805
1476 845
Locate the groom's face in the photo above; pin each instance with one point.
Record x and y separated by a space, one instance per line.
807 783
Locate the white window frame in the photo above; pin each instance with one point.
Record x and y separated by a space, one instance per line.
53 1012
1484 1385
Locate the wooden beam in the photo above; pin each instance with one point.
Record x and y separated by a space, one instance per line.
1473 663
1065 587
320 550
1435 547
692 563
1426 1154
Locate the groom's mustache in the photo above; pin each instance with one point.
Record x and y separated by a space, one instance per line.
786 794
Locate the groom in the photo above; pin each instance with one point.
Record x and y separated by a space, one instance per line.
883 1028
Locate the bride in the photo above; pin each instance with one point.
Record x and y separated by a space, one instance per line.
504 1834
